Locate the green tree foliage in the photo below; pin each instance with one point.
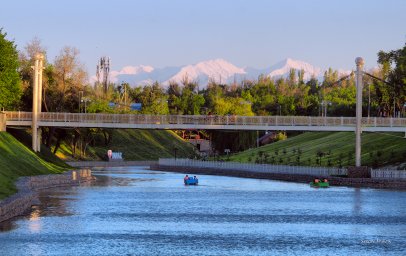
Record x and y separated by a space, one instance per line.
27 58
153 99
10 81
191 101
174 97
263 95
99 106
394 71
69 77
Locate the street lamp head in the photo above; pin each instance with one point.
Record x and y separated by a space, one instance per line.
359 61
39 56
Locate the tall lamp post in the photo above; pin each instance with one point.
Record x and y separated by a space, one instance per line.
369 99
36 101
175 149
80 101
324 105
85 100
360 63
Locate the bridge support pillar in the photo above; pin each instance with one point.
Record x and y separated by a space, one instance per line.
360 63
3 122
36 101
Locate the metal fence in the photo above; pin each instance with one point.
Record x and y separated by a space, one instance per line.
264 168
228 120
388 174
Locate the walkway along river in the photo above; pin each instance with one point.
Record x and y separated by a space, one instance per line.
136 211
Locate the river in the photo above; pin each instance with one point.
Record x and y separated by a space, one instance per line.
135 211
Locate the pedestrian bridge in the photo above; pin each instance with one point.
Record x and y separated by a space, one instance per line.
135 121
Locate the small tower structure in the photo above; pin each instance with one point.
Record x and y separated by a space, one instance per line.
102 73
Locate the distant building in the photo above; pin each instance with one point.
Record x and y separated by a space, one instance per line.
135 106
199 140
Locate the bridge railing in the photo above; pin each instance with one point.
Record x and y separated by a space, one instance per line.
264 168
207 119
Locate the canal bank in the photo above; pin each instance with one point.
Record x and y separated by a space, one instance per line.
302 175
114 163
29 186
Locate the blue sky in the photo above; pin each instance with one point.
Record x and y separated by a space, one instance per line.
255 33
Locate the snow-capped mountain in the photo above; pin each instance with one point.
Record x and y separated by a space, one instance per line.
218 70
282 69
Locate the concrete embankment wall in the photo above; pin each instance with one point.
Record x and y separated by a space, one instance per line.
27 187
90 164
302 178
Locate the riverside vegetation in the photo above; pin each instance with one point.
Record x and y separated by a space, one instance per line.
329 149
17 160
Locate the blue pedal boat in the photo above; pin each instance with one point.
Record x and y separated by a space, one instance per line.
191 181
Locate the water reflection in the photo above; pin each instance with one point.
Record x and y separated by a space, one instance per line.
357 201
35 220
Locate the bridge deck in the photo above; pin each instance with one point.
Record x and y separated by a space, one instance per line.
302 123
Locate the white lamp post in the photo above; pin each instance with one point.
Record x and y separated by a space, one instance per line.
360 63
36 101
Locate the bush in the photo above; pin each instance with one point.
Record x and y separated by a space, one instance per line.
281 136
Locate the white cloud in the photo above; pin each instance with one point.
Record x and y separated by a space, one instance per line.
127 70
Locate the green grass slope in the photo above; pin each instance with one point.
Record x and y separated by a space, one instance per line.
135 145
24 137
17 160
329 149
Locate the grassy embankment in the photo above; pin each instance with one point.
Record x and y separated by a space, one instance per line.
17 160
331 149
134 144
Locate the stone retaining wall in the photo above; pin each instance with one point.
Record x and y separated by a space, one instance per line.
90 164
27 187
334 181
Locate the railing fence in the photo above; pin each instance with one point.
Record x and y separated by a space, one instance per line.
264 168
279 169
388 174
207 119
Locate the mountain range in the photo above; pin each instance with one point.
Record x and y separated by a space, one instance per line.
218 70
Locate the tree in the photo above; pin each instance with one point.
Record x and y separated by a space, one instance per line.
62 84
292 77
10 81
190 101
300 74
153 99
70 78
27 59
174 92
396 76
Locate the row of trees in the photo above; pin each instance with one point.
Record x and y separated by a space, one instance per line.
66 82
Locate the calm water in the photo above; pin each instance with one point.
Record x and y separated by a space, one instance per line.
134 211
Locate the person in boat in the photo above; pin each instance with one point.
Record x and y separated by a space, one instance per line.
316 180
194 177
325 180
186 177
